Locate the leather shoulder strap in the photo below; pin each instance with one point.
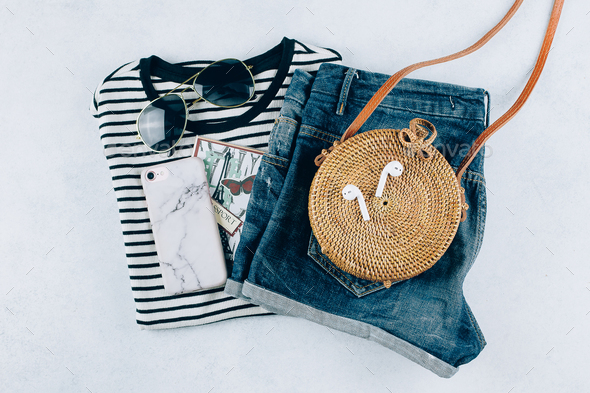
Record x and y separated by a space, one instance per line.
530 85
394 80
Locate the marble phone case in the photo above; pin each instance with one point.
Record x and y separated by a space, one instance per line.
184 227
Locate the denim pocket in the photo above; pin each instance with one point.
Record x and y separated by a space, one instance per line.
275 163
357 286
282 137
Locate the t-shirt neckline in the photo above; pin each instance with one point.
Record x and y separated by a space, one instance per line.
281 54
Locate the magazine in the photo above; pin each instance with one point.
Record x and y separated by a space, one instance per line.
231 171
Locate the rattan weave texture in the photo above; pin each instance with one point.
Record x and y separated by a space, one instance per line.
411 225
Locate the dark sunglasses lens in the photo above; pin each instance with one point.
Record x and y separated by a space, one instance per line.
162 122
225 83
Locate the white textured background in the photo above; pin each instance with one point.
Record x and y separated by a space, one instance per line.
67 314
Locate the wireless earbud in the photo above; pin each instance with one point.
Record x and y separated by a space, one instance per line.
394 168
351 192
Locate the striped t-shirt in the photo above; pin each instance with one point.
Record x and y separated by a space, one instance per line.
117 103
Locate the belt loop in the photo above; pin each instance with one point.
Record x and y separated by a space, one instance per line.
345 88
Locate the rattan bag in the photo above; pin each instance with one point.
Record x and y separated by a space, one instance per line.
385 204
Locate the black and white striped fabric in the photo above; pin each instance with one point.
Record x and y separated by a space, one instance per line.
117 103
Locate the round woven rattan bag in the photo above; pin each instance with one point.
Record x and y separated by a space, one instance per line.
408 228
411 225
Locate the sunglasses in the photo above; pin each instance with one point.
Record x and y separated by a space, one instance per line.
225 83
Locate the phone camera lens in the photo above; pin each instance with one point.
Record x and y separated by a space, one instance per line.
151 175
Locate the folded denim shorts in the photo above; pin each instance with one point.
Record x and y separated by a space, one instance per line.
279 264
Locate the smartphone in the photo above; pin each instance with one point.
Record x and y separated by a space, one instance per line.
184 226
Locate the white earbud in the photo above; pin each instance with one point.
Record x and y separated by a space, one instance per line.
351 192
394 168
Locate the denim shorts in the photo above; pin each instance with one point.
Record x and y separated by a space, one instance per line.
279 264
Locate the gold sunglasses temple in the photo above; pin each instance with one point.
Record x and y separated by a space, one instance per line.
194 102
